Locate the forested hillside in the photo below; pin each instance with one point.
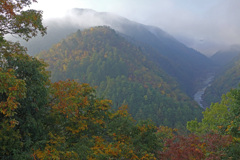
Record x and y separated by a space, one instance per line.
227 78
122 73
185 64
41 120
225 56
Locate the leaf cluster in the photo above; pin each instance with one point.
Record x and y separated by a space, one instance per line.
17 21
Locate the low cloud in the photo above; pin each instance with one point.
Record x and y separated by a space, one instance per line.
205 25
211 25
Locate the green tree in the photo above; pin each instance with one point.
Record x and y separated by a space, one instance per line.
222 118
23 94
11 91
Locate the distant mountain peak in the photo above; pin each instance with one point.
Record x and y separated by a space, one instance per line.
123 72
226 55
183 63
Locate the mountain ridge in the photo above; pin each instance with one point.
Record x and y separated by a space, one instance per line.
122 72
178 60
225 56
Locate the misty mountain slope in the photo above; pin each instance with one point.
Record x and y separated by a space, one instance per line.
183 63
223 57
179 61
190 64
123 73
227 78
227 75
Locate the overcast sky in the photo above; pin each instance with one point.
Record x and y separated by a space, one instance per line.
206 25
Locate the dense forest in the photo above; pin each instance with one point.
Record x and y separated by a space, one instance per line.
44 118
227 77
184 64
122 73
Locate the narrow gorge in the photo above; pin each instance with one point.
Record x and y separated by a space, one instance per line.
205 83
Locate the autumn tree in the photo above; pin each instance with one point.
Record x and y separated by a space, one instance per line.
23 80
11 91
222 118
208 146
17 21
64 120
82 126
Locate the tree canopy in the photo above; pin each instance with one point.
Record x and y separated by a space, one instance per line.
15 20
122 72
222 118
67 120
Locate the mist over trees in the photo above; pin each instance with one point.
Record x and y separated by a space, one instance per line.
40 119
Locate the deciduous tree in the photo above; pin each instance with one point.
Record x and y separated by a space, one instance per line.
23 80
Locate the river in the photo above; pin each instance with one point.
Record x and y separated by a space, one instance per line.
206 83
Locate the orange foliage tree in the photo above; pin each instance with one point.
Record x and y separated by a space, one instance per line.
82 126
209 146
11 90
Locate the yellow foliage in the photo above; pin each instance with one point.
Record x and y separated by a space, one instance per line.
64 67
52 150
122 111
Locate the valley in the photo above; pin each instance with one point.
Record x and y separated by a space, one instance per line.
184 65
123 73
180 68
205 84
101 86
